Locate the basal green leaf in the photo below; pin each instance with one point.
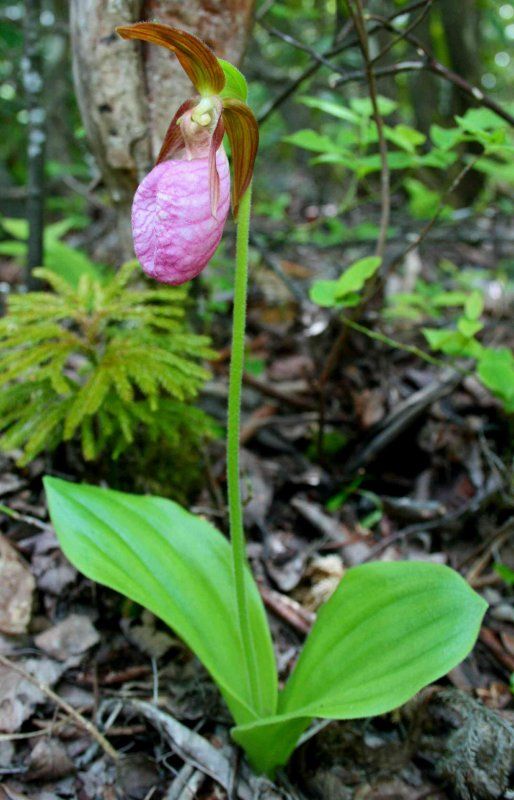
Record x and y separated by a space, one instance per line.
268 743
179 567
387 631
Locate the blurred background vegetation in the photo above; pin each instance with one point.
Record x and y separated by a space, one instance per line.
444 75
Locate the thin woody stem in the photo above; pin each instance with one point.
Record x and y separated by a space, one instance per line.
233 435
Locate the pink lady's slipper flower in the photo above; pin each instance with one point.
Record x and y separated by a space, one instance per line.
181 207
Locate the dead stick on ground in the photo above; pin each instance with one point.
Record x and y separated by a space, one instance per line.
79 719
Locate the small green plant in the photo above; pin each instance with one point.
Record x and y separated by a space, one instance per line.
506 573
351 145
102 362
346 291
389 628
494 365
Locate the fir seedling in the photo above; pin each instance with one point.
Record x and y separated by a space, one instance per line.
102 362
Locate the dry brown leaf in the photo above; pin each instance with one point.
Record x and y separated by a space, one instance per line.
324 573
16 590
7 793
369 407
18 696
146 637
71 637
48 760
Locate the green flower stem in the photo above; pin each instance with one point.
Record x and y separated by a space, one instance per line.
233 434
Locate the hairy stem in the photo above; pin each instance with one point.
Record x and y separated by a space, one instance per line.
233 434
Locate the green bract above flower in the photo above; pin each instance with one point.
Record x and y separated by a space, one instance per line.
220 86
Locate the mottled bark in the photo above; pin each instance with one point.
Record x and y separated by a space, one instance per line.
128 92
33 84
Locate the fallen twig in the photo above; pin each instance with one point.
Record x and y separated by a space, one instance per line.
287 609
84 723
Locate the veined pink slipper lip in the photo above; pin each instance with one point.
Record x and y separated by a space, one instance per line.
175 232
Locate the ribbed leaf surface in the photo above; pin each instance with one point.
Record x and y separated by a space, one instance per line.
387 631
179 567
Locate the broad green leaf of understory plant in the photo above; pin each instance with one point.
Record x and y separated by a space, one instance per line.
387 631
179 567
60 258
496 371
344 290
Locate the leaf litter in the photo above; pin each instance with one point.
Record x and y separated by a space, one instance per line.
411 464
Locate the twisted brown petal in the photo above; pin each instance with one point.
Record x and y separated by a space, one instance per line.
197 60
214 178
173 140
243 134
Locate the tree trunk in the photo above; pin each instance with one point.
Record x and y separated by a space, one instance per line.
128 92
461 23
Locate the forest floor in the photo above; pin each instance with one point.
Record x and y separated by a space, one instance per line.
413 463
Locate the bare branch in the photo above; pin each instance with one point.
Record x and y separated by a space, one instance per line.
435 66
402 34
341 44
84 723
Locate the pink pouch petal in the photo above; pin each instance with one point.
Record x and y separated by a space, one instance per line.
175 233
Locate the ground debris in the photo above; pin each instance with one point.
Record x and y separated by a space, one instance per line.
16 590
137 775
70 637
48 761
18 696
471 746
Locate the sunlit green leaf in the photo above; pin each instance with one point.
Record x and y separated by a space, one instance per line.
310 140
445 138
364 106
337 110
